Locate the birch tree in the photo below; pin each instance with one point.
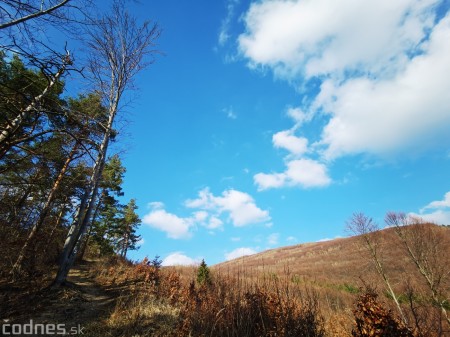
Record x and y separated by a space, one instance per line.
362 225
427 250
118 48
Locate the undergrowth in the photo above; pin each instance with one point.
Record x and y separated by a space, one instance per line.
158 302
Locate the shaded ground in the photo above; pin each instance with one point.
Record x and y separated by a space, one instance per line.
79 304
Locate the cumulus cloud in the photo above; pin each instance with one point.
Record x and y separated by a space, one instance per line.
382 66
313 38
300 171
436 211
239 252
174 226
179 259
439 217
214 223
298 116
239 206
287 140
208 211
378 116
444 203
305 173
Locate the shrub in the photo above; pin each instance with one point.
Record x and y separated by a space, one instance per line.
372 319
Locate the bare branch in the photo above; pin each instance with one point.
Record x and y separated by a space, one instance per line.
39 12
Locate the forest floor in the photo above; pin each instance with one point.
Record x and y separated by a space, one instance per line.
80 303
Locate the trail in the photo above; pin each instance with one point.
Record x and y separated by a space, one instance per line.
80 303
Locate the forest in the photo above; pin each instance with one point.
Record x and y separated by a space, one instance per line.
60 186
66 225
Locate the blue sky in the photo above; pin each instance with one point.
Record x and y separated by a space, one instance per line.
268 123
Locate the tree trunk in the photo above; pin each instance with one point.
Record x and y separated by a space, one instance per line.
57 222
85 238
38 224
86 205
126 242
380 270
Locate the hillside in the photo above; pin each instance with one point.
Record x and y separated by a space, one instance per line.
339 262
316 289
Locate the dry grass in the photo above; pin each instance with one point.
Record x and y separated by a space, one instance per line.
316 289
160 302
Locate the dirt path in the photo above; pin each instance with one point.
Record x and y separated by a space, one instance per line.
77 305
82 300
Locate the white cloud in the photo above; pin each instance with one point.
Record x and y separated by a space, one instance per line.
317 37
239 206
368 117
298 116
306 173
291 239
208 211
328 239
436 211
242 208
200 216
179 259
324 240
287 140
205 200
439 217
265 181
174 226
155 205
214 223
445 203
224 34
239 252
383 67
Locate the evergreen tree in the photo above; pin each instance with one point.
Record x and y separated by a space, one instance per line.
204 274
128 238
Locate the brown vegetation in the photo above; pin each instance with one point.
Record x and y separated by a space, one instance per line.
316 289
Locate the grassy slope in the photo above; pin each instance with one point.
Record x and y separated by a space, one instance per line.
337 262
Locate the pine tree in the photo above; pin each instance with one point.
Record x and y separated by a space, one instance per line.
203 274
128 238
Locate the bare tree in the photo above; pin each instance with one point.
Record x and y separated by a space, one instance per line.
14 12
427 251
118 46
364 226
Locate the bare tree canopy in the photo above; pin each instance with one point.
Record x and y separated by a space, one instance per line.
14 12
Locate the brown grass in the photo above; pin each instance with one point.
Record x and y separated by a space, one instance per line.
317 289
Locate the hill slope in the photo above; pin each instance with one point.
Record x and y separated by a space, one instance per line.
338 261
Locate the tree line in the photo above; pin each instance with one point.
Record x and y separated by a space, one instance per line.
60 188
